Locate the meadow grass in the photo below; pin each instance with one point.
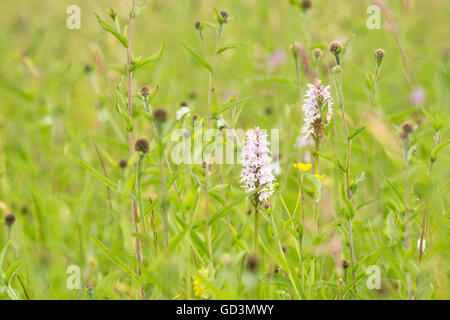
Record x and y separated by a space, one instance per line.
87 176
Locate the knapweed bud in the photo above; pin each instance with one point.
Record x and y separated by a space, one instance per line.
345 264
195 117
335 47
123 163
317 52
142 145
407 129
294 49
144 92
10 219
306 4
379 54
112 13
224 16
252 262
199 26
24 209
87 67
160 114
183 104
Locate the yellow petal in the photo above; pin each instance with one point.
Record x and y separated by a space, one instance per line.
303 167
319 176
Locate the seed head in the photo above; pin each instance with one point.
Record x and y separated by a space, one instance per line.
144 91
160 114
224 16
10 219
142 145
252 263
123 163
183 104
379 53
317 52
306 4
408 127
335 47
24 209
345 264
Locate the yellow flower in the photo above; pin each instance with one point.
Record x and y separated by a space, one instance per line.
319 176
303 167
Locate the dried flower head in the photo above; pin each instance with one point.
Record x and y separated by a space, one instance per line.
317 52
317 109
256 165
10 219
379 53
144 91
160 114
224 16
335 47
407 129
142 145
252 263
123 163
345 264
306 4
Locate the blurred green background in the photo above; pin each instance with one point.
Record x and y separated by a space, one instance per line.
52 109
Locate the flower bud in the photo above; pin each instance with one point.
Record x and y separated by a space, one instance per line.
10 219
379 54
160 114
123 163
142 145
335 48
144 92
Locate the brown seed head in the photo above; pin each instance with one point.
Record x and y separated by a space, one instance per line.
345 264
144 91
10 219
142 145
306 4
224 16
160 114
379 53
183 104
123 163
317 52
335 47
252 262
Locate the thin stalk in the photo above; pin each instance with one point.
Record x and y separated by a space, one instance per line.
131 138
408 218
256 231
372 89
347 169
139 193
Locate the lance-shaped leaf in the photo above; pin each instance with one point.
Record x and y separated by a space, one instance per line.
140 63
199 58
229 105
97 174
111 30
230 46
